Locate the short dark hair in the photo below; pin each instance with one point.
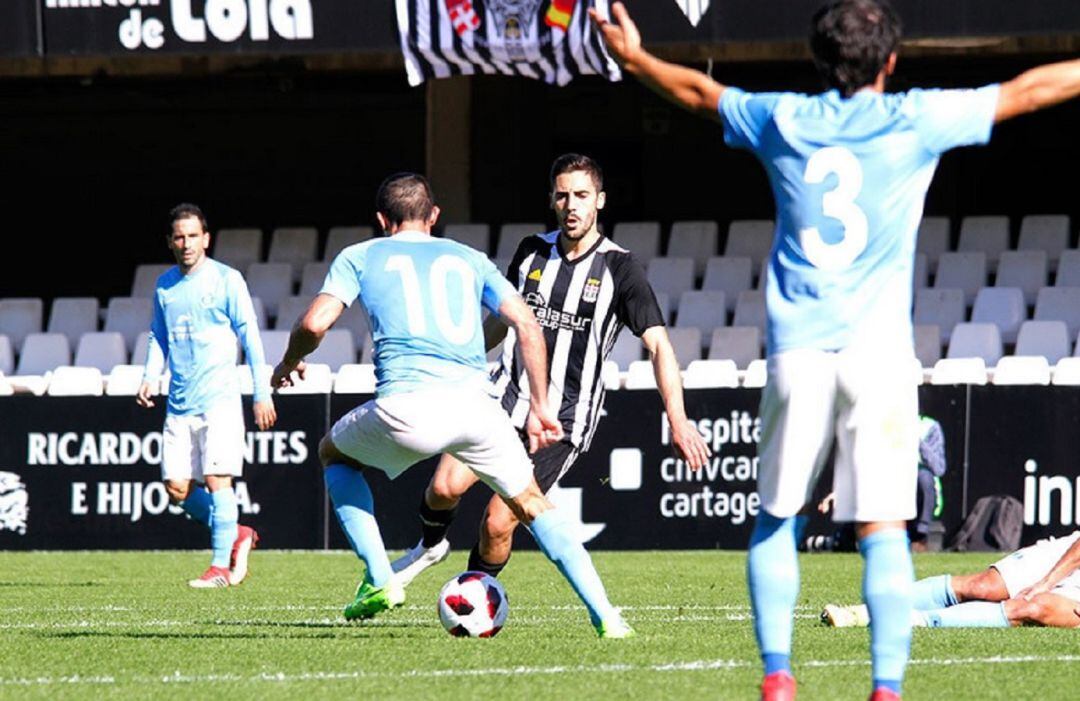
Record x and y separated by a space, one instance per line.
851 41
570 162
405 197
185 210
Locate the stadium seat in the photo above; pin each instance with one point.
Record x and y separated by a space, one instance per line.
129 316
626 350
640 375
1049 339
750 310
510 236
927 344
732 275
19 317
7 356
294 245
1002 306
663 300
74 316
962 270
260 313
312 278
270 282
1060 303
6 389
1022 370
274 345
138 354
741 344
757 373
355 319
672 276
695 240
704 310
477 236
1026 270
752 238
69 381
354 378
289 310
1068 272
42 353
686 342
642 238
943 308
124 381
318 379
959 371
103 350
238 248
146 277
933 239
702 374
609 375
1066 372
920 277
340 237
337 348
987 234
976 340
1045 232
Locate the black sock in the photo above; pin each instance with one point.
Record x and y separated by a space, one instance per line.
477 564
435 523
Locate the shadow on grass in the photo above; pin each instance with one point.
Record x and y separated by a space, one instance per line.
310 630
39 583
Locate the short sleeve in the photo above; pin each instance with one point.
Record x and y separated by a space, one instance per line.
496 287
745 116
636 304
343 278
947 119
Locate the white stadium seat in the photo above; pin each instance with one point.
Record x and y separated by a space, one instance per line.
976 340
138 355
704 310
1049 339
318 379
757 373
69 381
920 276
750 310
1068 272
128 316
959 371
74 316
270 282
933 239
124 380
510 236
1022 370
146 277
7 356
1002 306
1067 372
312 278
740 344
751 238
19 317
640 375
103 350
702 374
943 308
355 379
1026 270
987 234
1045 232
732 275
927 344
626 350
686 342
238 248
1060 303
476 236
336 349
963 270
340 237
294 245
642 238
672 276
693 239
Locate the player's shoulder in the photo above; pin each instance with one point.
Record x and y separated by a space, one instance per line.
224 272
620 262
169 277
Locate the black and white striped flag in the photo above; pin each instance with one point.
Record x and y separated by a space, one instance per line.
549 40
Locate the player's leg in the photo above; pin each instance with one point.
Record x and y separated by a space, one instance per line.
796 412
220 438
438 507
877 461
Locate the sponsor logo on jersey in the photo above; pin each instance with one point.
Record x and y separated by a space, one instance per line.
535 275
553 318
591 291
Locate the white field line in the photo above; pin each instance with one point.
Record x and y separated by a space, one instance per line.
323 676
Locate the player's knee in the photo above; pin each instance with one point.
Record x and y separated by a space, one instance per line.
499 526
986 586
330 455
444 491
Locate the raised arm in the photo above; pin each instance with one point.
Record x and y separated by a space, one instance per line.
685 440
306 336
1038 89
686 87
543 427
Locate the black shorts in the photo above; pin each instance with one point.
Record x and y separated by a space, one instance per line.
552 462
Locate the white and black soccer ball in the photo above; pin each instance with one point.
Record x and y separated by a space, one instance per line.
473 605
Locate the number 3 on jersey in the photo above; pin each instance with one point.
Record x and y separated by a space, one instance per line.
837 204
457 332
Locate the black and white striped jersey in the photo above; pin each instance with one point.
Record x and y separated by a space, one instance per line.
582 305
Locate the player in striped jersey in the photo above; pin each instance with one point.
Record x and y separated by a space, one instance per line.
584 289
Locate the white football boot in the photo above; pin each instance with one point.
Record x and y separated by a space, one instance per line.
416 560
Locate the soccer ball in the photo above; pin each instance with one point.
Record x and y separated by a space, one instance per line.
473 605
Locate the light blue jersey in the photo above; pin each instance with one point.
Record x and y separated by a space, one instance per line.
849 177
423 297
197 319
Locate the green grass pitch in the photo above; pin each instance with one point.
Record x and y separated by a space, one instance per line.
125 625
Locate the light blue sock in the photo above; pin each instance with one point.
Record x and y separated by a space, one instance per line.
355 509
772 572
198 505
554 534
933 593
887 589
223 525
970 614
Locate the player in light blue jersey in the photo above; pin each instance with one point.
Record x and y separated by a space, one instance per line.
200 308
424 297
849 169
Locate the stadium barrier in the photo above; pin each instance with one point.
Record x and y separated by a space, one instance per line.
82 472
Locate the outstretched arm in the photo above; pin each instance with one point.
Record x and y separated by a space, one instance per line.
1038 89
686 87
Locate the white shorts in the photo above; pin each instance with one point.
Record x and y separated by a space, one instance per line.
1028 565
395 432
869 404
197 445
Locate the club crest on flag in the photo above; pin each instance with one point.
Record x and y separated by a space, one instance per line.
693 9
